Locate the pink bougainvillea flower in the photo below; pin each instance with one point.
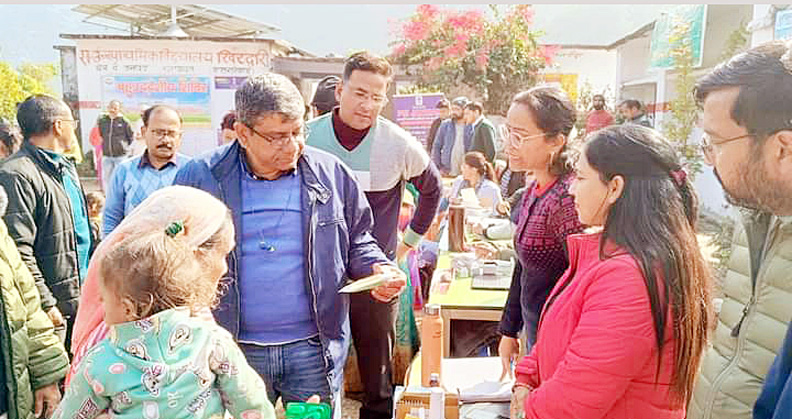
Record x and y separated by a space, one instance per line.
482 59
548 52
428 11
416 30
526 12
398 50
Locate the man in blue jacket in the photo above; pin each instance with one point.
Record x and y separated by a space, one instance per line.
303 229
454 139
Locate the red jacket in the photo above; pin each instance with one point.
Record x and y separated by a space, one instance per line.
595 355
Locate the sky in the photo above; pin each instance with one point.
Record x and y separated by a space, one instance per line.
30 31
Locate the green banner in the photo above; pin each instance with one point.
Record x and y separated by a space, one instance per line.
692 15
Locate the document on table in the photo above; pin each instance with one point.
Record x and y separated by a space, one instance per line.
476 379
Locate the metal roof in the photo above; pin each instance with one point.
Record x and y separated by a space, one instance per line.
155 19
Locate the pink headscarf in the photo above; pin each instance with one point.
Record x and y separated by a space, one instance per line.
202 215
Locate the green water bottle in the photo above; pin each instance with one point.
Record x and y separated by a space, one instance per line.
299 410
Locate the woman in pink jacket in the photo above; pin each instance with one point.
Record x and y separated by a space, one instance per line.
622 332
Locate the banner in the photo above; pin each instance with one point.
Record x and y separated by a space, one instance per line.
188 95
693 15
566 82
415 113
783 25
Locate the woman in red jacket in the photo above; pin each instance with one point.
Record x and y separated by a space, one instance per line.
622 332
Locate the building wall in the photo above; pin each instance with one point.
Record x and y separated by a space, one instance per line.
592 66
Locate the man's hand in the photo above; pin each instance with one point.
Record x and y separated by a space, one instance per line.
509 350
392 287
47 399
56 317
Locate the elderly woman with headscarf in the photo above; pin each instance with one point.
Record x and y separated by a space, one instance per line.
201 214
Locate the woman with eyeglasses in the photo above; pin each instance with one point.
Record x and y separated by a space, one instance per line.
624 329
537 128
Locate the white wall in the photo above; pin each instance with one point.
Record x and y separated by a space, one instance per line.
762 24
597 67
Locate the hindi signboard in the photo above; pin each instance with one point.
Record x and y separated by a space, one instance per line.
416 112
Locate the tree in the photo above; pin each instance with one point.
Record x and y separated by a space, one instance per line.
684 111
17 84
496 57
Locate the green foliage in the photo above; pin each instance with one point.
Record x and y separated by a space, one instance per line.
19 83
684 111
414 89
496 57
737 42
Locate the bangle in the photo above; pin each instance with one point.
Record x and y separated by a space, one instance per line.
523 385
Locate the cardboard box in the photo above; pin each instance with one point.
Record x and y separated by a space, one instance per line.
413 399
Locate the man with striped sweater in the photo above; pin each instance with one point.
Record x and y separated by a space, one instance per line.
382 157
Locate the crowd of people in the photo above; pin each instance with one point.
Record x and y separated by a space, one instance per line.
210 285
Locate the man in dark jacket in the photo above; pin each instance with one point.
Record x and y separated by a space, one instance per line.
117 138
632 111
445 111
307 230
483 131
47 216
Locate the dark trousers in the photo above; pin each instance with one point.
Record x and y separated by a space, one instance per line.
373 328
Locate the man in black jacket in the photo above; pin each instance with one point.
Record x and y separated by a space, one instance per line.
46 215
483 131
117 139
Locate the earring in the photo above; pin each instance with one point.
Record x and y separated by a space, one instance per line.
552 159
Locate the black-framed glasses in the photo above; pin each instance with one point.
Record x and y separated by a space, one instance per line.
283 139
708 146
159 133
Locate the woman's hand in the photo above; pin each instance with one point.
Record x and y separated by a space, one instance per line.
517 407
503 208
509 350
484 250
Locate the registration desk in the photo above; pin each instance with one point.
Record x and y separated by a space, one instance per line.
459 301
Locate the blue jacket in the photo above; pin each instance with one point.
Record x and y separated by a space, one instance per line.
775 400
337 234
444 143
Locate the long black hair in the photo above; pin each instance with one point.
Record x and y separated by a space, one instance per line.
654 220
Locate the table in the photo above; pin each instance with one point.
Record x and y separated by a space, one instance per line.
460 302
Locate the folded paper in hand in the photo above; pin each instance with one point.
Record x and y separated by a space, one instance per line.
365 284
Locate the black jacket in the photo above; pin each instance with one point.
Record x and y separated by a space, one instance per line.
39 219
116 135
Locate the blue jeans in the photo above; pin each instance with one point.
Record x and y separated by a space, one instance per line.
293 371
109 165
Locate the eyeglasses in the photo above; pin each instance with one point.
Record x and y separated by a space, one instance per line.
708 146
75 123
514 137
365 96
282 139
159 133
